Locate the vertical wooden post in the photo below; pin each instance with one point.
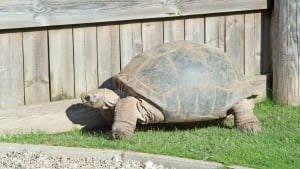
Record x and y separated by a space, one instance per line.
286 52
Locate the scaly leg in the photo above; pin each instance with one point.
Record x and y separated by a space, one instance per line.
125 119
244 117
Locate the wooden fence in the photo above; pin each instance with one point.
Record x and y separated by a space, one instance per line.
42 64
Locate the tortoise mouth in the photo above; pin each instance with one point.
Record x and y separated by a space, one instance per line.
87 103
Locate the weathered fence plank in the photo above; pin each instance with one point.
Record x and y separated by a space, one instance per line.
61 63
36 68
28 13
235 42
109 62
131 41
85 59
215 31
252 44
82 57
194 29
11 69
173 30
286 52
152 34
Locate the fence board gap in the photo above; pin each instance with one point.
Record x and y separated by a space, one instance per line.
108 40
266 60
61 63
85 59
36 69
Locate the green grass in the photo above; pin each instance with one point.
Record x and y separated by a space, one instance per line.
278 146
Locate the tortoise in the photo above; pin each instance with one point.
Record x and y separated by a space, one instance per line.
178 81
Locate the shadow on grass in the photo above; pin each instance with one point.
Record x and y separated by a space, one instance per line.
105 131
181 126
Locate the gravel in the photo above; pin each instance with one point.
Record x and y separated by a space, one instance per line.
25 159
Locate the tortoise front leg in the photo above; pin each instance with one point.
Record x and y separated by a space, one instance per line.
244 117
125 119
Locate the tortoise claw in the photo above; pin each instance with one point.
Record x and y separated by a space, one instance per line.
250 127
122 130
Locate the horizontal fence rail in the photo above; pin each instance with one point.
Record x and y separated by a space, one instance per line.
36 13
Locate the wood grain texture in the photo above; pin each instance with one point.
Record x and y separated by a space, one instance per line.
235 40
194 29
130 41
253 44
61 63
11 69
85 59
215 31
28 13
152 34
286 53
109 61
36 68
173 30
116 41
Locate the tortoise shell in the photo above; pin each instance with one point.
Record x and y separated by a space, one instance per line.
187 81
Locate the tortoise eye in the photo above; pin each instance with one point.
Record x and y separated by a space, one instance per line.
87 98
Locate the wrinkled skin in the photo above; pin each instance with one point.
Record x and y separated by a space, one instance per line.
125 118
124 113
244 118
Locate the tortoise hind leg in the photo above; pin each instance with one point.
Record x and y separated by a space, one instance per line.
244 117
125 119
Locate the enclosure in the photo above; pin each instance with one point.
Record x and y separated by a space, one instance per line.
52 50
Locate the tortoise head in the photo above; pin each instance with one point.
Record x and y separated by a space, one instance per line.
100 98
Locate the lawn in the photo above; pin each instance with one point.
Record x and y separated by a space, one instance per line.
278 146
